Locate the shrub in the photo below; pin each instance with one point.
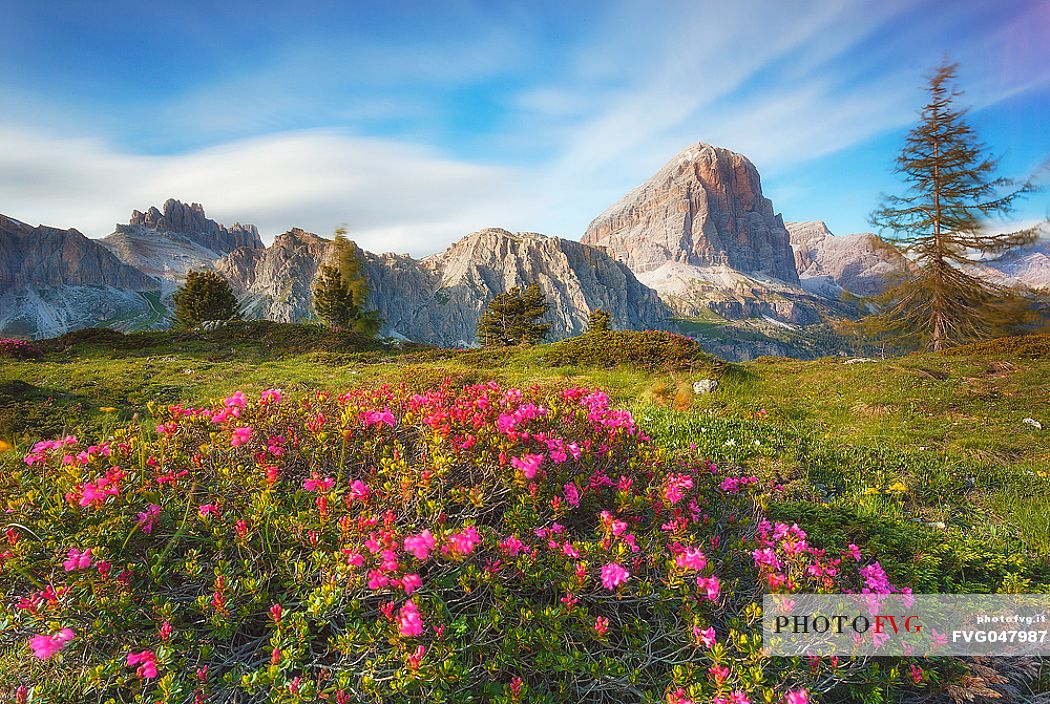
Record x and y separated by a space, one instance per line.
653 350
463 544
18 349
1034 346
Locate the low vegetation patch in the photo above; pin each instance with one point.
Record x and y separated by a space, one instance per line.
471 543
653 350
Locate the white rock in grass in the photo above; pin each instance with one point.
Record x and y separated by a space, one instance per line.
704 386
1034 423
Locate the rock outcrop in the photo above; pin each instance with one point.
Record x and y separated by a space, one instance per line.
703 208
167 244
52 280
828 264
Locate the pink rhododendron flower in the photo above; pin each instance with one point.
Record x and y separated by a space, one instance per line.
77 560
410 583
528 464
208 509
409 621
601 625
677 485
370 418
705 637
463 543
145 664
691 559
271 396
711 585
358 490
797 696
240 436
613 575
147 517
45 646
318 483
572 494
420 545
678 697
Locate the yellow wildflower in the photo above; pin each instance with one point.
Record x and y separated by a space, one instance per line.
898 487
5 446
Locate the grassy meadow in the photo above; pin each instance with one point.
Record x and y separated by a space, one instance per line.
926 459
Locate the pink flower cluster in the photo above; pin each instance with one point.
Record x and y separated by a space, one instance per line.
44 646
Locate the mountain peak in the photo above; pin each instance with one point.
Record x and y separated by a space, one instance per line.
189 220
704 207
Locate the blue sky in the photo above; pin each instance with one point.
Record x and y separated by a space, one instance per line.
416 123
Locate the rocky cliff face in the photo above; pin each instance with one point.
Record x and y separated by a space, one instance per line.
829 264
45 256
275 282
167 244
51 280
575 277
439 299
703 208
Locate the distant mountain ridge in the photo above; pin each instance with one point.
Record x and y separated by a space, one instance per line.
698 242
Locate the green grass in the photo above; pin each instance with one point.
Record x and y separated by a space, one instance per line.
925 458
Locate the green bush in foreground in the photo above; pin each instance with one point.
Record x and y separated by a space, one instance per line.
464 544
654 350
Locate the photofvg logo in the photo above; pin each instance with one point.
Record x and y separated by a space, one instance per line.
928 625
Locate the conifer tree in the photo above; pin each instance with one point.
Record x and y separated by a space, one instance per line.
347 261
511 318
535 308
205 295
598 321
333 300
939 226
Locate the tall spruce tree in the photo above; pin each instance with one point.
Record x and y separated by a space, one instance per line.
204 295
939 225
512 318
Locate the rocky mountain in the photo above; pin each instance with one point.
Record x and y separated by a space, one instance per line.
703 208
830 264
52 280
1025 266
703 236
438 299
859 264
170 242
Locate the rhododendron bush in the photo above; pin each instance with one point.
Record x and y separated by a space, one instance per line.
464 544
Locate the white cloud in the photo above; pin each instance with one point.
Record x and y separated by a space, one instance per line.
394 196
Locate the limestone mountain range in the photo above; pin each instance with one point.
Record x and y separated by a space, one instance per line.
698 239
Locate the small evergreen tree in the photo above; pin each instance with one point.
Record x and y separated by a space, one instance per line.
938 225
598 321
511 318
333 300
204 296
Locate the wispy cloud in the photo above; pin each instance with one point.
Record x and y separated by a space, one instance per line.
394 196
